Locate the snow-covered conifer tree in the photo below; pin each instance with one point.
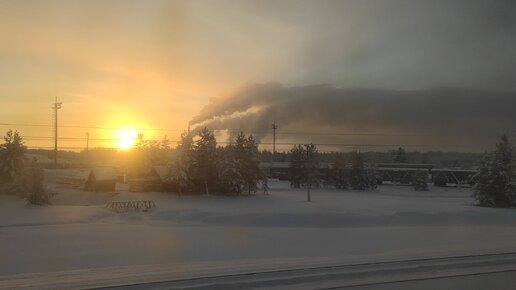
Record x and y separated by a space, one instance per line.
496 178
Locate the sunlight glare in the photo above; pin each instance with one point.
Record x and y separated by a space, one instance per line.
126 138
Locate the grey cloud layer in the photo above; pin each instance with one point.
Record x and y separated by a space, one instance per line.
469 119
413 44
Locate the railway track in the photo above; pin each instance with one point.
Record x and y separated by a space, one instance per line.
352 276
289 275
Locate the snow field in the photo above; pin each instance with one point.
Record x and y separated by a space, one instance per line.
77 233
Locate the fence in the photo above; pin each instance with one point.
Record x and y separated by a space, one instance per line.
131 205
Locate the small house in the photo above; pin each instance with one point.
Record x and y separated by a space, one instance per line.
102 179
159 178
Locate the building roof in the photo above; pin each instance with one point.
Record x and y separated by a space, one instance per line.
41 159
459 170
401 169
286 165
405 165
162 171
104 173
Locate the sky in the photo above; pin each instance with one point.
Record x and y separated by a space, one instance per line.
158 66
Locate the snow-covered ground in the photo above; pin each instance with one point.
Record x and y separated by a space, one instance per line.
199 234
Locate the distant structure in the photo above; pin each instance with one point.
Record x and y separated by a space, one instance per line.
392 173
102 179
157 179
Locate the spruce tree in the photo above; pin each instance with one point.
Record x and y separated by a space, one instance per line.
205 158
296 166
400 156
496 178
33 181
338 172
250 164
303 167
12 163
310 166
361 176
420 180
229 171
17 175
183 167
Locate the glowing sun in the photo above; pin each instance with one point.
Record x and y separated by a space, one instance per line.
126 138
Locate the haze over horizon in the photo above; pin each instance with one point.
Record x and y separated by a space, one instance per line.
439 73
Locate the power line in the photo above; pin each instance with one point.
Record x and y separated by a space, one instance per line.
87 127
71 147
216 149
354 145
349 145
70 138
377 134
357 134
274 143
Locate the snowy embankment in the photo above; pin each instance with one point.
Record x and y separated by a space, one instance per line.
193 235
288 274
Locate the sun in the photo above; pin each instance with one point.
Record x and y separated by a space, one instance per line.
126 138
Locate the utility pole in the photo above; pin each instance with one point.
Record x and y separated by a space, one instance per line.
309 167
274 127
56 107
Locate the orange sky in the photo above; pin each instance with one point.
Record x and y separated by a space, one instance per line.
140 64
127 64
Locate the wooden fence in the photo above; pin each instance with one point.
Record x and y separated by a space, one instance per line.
131 205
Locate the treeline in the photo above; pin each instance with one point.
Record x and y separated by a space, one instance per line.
163 151
203 167
438 158
344 172
495 186
200 166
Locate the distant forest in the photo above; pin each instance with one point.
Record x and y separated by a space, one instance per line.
99 156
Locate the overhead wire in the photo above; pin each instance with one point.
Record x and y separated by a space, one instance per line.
336 144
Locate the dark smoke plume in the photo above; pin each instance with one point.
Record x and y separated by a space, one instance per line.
438 119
